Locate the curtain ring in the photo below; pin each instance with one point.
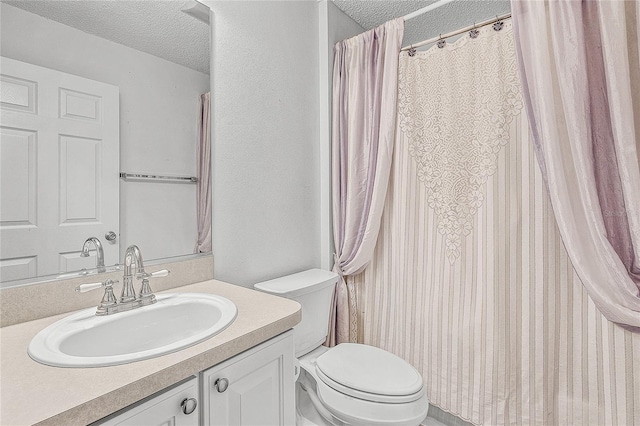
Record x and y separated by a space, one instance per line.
412 51
474 31
441 42
497 26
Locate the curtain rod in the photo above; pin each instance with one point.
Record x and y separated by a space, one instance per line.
189 179
460 31
426 9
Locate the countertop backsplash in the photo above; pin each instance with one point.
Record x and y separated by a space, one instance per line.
30 302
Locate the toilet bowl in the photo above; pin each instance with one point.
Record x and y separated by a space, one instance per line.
349 384
363 385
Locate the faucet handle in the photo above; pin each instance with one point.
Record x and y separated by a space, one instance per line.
157 274
83 288
146 295
108 304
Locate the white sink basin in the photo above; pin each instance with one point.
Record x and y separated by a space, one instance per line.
175 322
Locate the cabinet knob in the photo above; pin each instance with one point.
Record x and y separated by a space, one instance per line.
110 236
188 405
221 385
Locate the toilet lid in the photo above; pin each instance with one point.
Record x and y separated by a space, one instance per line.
368 372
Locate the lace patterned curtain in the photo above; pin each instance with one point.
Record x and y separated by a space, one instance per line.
470 281
455 119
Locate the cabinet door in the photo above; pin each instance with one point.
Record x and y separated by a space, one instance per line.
164 409
253 388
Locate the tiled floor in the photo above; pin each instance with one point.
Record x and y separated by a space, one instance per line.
443 418
430 421
308 416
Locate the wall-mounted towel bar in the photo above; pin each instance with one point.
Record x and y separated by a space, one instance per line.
185 179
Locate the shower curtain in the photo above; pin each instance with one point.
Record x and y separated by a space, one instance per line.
470 281
585 114
203 189
365 84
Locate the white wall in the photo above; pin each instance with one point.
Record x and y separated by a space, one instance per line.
265 139
341 27
159 107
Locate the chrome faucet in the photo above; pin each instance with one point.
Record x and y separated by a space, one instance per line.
131 256
128 298
100 252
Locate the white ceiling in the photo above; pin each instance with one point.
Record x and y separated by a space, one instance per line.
161 29
155 27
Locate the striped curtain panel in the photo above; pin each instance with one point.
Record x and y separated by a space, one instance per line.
470 281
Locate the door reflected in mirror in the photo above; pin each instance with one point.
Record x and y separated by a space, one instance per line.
78 107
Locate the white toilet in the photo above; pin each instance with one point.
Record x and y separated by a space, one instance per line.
349 384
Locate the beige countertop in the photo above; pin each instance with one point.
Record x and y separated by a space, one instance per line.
32 393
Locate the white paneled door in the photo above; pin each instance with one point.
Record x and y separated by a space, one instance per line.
59 165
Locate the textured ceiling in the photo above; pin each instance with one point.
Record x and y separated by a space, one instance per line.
155 27
161 29
447 18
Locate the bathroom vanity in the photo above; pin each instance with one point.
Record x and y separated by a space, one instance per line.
253 388
247 369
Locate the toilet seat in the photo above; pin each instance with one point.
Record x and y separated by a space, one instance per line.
371 397
369 373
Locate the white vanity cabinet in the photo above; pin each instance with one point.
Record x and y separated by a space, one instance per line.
177 406
253 388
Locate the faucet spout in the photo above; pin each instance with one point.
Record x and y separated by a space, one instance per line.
131 256
99 250
133 268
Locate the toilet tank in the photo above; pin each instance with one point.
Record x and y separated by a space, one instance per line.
313 289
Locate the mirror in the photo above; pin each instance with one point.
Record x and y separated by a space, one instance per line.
91 90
